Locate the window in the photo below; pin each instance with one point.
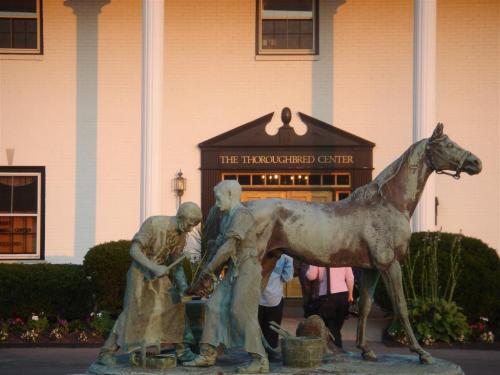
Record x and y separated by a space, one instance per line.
287 27
343 179
20 26
22 192
290 179
339 195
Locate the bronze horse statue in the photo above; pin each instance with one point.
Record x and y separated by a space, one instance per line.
370 229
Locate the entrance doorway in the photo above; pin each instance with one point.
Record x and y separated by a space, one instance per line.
292 288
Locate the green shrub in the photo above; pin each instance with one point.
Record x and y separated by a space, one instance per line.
101 324
16 326
54 289
433 320
77 326
477 290
39 323
439 319
4 330
107 265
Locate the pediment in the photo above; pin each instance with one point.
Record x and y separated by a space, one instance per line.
318 134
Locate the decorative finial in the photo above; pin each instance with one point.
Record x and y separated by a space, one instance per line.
286 116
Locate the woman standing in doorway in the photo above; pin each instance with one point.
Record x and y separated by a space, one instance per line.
335 294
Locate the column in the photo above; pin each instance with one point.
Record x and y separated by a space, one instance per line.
87 99
152 106
424 99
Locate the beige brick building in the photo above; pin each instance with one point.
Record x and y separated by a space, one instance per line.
70 100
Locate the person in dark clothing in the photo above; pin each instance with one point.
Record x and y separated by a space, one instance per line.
271 300
335 294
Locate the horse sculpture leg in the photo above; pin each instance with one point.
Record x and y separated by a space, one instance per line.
393 281
368 282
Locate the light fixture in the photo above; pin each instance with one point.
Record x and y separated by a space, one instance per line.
179 186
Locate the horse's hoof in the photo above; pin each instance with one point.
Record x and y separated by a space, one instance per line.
369 356
426 358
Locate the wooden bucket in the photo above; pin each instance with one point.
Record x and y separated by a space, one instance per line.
304 351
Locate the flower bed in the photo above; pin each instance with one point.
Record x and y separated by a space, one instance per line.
40 330
476 336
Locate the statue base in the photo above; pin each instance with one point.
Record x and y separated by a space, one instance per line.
162 361
346 364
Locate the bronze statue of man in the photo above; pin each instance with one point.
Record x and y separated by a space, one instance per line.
152 313
231 315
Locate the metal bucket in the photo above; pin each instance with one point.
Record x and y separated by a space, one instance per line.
304 351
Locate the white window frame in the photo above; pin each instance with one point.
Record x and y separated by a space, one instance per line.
19 15
288 51
39 254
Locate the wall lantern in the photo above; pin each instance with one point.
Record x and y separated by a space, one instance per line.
179 186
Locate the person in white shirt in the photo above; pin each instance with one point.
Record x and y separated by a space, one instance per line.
335 294
271 300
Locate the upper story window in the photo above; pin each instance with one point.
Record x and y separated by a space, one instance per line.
22 212
20 26
288 27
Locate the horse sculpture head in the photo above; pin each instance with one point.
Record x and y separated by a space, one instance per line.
443 154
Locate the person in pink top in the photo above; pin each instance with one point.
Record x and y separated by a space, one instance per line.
335 294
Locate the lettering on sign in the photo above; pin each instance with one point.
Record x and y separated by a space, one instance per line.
335 159
286 159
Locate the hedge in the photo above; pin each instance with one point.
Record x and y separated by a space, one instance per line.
478 287
107 265
65 290
60 290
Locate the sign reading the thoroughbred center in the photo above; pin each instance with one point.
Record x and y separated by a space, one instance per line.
285 159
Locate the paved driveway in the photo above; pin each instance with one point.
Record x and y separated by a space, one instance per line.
62 361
